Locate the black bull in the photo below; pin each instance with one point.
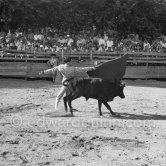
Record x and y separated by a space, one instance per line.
95 88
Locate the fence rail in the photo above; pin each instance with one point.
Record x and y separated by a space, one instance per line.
27 63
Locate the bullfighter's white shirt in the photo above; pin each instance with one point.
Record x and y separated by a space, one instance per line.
70 71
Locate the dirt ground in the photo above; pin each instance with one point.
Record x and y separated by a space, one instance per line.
33 134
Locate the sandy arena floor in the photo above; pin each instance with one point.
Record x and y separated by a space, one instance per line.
33 134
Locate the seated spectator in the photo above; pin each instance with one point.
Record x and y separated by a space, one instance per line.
65 48
62 40
58 47
13 46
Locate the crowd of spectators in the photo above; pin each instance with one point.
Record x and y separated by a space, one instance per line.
50 40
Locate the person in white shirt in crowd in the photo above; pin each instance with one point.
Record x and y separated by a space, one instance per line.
18 33
36 36
101 41
101 48
79 43
19 44
163 45
67 72
40 36
109 44
69 42
61 40
146 46
58 47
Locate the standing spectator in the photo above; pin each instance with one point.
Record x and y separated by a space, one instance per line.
101 41
109 44
69 42
146 46
53 62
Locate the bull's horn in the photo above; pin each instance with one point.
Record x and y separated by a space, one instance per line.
123 85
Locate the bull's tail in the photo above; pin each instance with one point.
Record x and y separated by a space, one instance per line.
67 80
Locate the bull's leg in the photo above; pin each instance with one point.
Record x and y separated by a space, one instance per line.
65 103
70 106
68 93
109 108
99 105
69 100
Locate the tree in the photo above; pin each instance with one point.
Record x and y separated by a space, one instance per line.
143 17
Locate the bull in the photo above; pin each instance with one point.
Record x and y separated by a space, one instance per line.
95 88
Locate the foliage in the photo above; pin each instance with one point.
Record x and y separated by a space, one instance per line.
144 17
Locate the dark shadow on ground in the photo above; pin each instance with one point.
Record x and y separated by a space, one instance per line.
123 116
55 115
4 123
128 116
16 108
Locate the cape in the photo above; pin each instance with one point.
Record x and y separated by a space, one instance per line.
112 70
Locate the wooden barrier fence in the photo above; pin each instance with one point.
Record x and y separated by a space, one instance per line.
27 64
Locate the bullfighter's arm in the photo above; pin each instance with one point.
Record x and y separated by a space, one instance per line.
87 68
48 71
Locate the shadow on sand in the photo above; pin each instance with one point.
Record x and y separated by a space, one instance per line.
127 116
123 116
55 114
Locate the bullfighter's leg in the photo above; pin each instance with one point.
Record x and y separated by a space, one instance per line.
99 105
109 108
59 96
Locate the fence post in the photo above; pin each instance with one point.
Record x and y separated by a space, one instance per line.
147 64
91 55
62 54
26 63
